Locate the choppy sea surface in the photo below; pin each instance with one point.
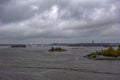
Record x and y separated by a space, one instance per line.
36 63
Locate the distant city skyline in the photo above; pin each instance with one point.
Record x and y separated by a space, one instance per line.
59 21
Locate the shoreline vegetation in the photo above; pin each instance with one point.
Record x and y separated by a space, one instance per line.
107 54
56 49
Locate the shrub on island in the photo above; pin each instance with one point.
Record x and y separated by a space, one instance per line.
56 49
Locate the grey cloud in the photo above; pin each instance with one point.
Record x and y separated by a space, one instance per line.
63 19
4 1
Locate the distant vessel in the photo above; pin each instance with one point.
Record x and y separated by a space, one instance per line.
18 45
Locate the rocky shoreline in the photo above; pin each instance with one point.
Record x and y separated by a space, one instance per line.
107 54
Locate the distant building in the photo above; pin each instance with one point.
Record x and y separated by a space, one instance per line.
93 42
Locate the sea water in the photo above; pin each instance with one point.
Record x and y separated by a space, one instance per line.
36 63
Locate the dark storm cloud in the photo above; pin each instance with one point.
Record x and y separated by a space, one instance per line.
4 1
63 19
13 12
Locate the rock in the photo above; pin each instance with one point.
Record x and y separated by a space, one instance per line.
57 49
106 58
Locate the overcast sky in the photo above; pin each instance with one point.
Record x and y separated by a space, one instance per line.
47 21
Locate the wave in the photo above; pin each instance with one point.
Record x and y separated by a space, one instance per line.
73 69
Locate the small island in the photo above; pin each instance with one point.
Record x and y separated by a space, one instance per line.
107 54
56 49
